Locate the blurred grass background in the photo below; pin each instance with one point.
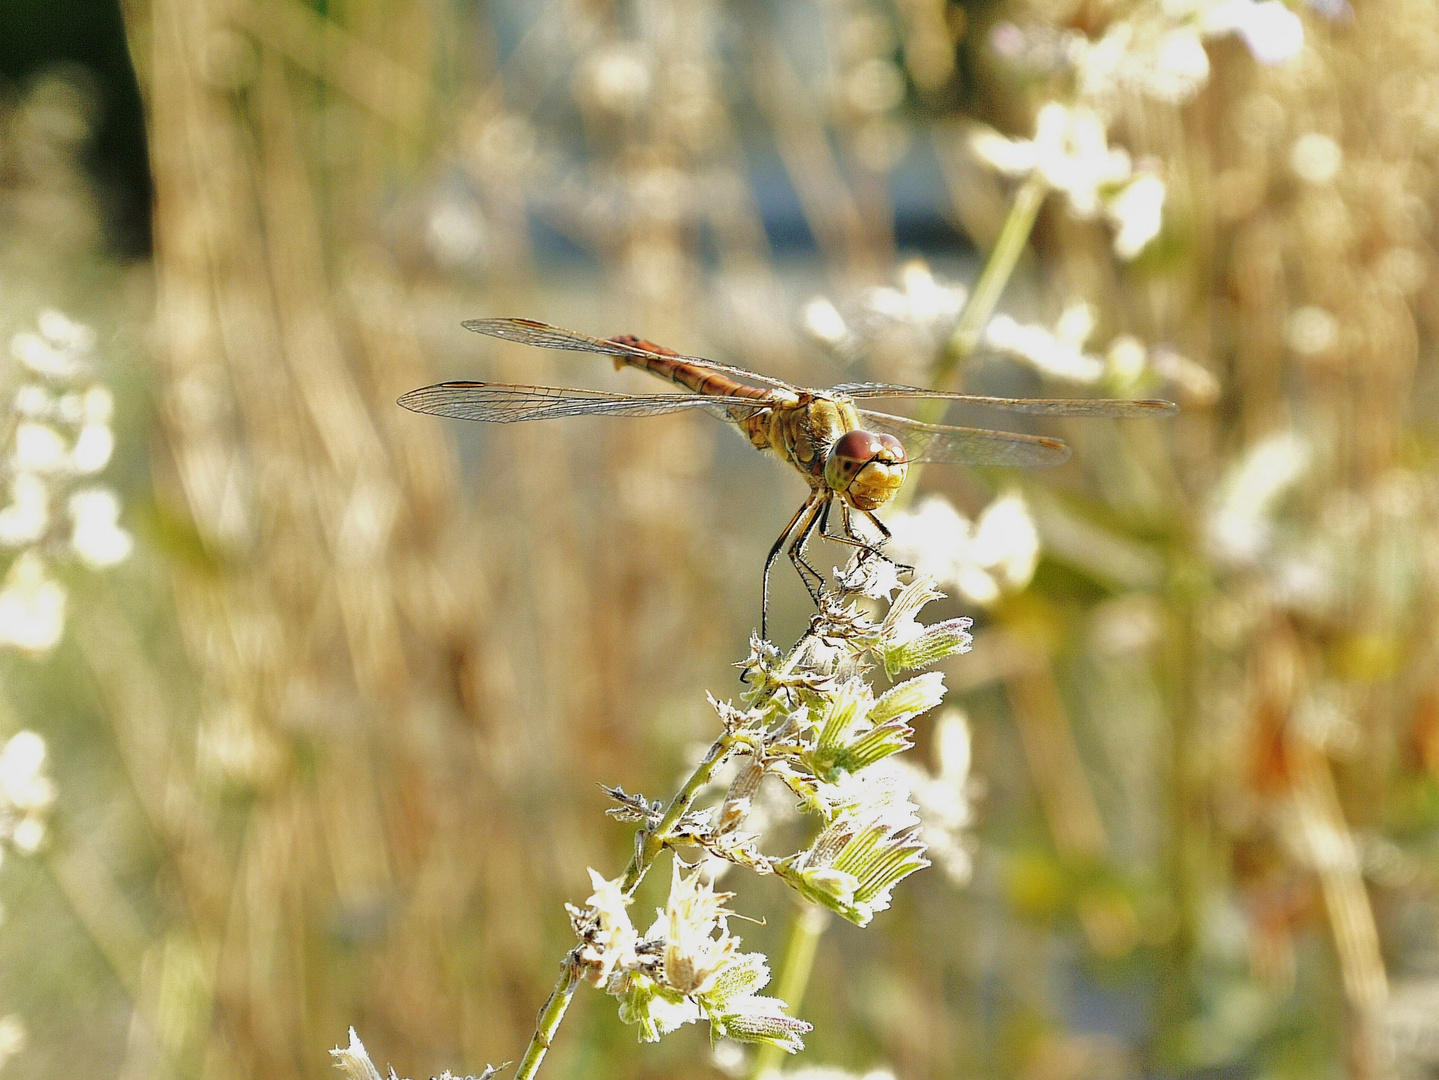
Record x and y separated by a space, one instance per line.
326 746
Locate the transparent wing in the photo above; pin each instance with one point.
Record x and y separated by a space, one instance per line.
530 332
501 403
1118 408
942 445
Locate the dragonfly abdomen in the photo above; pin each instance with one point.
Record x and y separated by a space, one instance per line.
692 377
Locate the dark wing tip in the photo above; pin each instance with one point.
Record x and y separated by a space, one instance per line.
501 327
1032 451
1160 407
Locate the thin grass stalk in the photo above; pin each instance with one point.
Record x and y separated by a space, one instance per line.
993 278
805 932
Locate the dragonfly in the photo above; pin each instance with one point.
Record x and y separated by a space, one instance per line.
851 457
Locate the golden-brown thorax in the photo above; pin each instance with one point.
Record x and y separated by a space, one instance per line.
801 432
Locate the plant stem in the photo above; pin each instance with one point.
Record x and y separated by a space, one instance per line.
998 268
645 854
804 934
654 841
549 1019
993 277
1185 854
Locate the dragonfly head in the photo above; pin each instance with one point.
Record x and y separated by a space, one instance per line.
865 468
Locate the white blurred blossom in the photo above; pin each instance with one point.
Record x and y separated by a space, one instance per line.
983 559
32 606
42 357
618 79
26 793
60 433
97 537
1154 48
12 1038
1240 525
1152 57
1126 365
1315 158
97 405
1272 32
38 448
1058 353
1311 331
900 326
1136 213
26 517
92 449
823 321
1071 151
944 798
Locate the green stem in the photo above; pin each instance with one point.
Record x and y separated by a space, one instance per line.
993 277
549 1019
804 934
1185 837
654 843
998 268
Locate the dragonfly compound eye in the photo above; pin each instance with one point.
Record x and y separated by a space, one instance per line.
867 469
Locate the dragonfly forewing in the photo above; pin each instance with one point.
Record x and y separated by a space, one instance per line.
504 403
1114 408
940 444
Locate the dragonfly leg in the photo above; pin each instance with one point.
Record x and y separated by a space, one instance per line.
849 536
769 562
854 539
884 534
812 578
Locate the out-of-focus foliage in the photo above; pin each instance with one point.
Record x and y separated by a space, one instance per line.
311 713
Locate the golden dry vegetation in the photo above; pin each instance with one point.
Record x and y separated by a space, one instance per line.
324 749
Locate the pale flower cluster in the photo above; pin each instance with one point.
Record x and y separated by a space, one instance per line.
26 793
903 325
353 1061
1057 353
984 559
811 722
687 967
1070 151
1127 365
1156 49
59 439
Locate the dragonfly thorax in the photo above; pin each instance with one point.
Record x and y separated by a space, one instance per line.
865 469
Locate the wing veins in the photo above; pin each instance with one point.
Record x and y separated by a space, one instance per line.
545 336
1115 408
505 403
941 444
